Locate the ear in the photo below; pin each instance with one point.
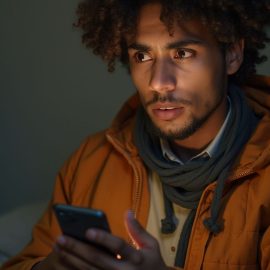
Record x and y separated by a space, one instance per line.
234 56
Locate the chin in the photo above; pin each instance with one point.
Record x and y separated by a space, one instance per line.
167 132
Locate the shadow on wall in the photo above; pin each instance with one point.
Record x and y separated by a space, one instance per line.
53 94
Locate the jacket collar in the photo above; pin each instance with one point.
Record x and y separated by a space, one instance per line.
256 153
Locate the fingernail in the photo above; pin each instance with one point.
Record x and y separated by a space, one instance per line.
61 240
130 214
91 234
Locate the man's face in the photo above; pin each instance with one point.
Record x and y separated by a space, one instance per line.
181 79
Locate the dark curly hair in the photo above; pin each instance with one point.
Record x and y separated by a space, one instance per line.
105 23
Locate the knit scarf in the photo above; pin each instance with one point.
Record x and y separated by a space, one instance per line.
184 184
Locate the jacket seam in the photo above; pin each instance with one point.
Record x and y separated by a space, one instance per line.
235 264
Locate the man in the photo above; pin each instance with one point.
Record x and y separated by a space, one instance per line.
188 155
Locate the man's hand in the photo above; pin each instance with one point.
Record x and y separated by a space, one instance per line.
72 254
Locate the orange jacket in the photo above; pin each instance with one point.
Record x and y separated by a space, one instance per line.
107 173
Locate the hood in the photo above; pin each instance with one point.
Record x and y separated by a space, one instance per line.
120 134
256 153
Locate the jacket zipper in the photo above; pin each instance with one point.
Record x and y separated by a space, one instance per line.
137 194
234 178
240 175
138 182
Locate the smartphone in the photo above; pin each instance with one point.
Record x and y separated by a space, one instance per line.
74 221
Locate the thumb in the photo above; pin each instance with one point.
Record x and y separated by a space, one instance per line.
140 237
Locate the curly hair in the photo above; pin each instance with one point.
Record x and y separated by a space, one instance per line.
105 23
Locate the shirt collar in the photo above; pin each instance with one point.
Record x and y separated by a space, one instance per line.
208 152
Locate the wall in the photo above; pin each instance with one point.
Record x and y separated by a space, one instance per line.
53 94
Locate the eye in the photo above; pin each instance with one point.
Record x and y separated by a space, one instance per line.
142 57
184 53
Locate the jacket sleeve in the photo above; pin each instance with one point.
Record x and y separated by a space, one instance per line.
265 250
47 230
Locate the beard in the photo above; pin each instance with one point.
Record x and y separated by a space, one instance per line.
188 129
177 133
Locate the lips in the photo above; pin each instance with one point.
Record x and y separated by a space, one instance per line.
167 112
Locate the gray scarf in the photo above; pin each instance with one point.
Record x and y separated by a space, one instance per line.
184 184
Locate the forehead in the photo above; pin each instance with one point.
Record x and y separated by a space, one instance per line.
151 29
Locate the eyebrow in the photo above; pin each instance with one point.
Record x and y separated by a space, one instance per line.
173 45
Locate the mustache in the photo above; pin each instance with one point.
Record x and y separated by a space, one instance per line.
167 98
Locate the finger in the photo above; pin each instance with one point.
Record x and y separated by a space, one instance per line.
70 261
141 238
88 253
116 245
52 261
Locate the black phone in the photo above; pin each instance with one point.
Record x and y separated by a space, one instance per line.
74 221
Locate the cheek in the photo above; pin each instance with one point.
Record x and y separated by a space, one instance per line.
139 80
136 77
208 69
205 80
136 82
202 95
210 84
202 77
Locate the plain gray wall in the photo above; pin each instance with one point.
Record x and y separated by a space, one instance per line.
53 94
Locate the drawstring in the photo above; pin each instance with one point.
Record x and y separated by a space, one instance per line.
168 224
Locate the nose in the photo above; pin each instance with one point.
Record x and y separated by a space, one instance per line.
163 77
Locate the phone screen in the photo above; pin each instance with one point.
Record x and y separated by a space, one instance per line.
74 221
